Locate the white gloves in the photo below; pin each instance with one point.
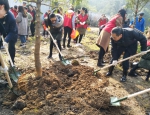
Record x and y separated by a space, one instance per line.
143 52
114 62
82 23
5 44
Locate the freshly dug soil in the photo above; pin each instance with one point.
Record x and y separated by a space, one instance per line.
64 90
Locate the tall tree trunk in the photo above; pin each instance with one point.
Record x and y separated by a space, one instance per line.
37 41
136 11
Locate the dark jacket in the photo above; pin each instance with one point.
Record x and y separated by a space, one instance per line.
145 60
128 42
8 27
57 28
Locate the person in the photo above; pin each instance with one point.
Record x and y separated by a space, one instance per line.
14 11
8 28
69 25
32 26
125 40
82 24
104 37
139 23
30 18
44 22
102 21
22 22
55 22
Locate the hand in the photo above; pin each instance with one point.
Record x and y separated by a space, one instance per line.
46 29
83 23
114 62
144 52
5 44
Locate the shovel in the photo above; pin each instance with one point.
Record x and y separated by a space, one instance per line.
65 62
114 101
15 73
121 61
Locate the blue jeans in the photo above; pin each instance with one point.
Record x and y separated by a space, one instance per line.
22 38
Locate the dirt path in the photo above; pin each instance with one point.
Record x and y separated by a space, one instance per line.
87 55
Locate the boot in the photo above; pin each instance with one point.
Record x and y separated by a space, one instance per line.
110 71
123 78
100 64
147 77
132 73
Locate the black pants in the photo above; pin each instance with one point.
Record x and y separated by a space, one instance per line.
102 53
11 49
80 38
32 28
51 47
126 54
45 32
67 31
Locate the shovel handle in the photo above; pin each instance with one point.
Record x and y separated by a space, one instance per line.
8 53
138 93
55 42
122 60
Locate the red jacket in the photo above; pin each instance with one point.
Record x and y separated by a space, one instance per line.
82 19
68 19
15 13
102 21
111 24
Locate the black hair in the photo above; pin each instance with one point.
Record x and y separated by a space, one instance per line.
52 16
122 12
58 11
78 11
21 9
117 31
15 7
85 9
6 4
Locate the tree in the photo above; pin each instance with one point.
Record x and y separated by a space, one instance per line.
136 6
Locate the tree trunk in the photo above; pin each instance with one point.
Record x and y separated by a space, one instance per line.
136 11
37 41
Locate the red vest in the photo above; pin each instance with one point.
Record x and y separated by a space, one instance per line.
68 19
111 24
82 19
102 21
14 13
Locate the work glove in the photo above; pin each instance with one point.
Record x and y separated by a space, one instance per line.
114 62
5 44
83 23
144 52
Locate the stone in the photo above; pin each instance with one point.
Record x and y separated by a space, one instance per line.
19 105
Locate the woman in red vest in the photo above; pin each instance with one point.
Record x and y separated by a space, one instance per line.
104 37
82 25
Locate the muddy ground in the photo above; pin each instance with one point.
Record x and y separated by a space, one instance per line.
72 90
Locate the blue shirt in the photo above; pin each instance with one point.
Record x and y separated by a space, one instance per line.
139 25
8 27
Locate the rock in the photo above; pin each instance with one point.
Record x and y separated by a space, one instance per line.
75 63
6 103
19 104
70 113
49 96
25 109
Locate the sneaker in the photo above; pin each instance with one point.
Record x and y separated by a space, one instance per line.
69 46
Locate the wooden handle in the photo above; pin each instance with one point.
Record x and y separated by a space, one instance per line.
55 43
138 93
8 53
122 60
6 73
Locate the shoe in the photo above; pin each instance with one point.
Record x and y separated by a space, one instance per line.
109 73
49 57
132 74
69 46
147 78
123 78
100 64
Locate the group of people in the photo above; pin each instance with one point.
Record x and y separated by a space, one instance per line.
123 40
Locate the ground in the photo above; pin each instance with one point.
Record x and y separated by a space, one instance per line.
72 89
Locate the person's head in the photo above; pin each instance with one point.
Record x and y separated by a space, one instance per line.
52 18
25 9
123 13
116 33
78 11
34 8
49 11
30 7
141 15
84 10
4 6
24 4
21 10
15 7
71 8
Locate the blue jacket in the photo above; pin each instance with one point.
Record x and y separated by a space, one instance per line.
8 28
139 25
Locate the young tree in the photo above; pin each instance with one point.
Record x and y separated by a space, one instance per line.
136 6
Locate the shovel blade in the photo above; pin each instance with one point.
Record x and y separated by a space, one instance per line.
15 76
113 101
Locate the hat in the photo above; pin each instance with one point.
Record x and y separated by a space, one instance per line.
141 14
24 3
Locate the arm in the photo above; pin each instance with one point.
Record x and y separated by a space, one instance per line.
142 28
19 18
73 21
30 18
141 38
119 21
114 50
